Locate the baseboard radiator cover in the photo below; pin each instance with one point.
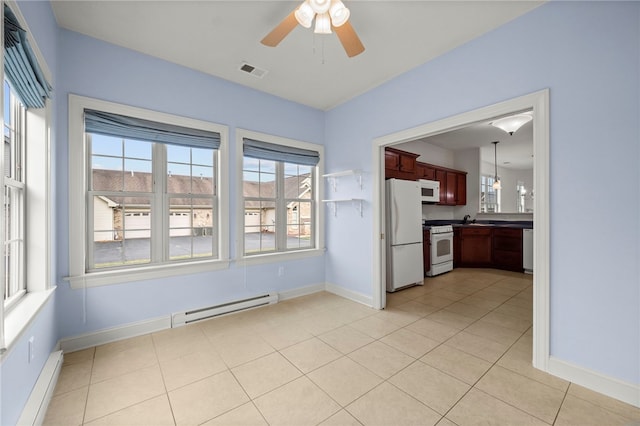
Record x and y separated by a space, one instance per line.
183 318
36 407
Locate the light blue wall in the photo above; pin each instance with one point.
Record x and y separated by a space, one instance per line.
587 54
89 67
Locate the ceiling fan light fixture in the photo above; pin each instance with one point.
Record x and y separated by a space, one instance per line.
320 6
512 123
323 24
304 14
339 13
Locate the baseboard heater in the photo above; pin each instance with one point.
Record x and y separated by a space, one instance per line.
183 318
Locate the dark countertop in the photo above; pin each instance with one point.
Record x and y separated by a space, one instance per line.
519 224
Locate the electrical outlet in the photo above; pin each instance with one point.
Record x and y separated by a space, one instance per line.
32 351
280 271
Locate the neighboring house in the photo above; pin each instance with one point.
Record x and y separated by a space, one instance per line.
115 218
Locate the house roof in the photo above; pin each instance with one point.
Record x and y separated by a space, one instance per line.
116 180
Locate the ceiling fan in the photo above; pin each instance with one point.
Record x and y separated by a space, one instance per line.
328 14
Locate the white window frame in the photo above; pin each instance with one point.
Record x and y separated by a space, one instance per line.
78 275
278 256
497 191
17 183
39 282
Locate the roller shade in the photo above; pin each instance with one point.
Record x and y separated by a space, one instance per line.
269 151
121 126
21 66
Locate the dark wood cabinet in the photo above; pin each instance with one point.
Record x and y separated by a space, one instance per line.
507 249
426 171
400 164
475 247
426 250
461 189
488 247
441 176
456 246
453 187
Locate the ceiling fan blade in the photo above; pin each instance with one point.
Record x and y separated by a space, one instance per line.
281 31
349 39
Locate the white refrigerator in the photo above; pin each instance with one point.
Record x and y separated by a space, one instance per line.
404 234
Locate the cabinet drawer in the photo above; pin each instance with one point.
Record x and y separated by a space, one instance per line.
475 231
508 259
507 243
508 232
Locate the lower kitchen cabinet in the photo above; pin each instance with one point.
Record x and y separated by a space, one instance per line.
426 250
475 247
507 249
456 246
487 247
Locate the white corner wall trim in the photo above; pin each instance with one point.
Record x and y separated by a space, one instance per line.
597 382
36 407
100 337
349 294
300 291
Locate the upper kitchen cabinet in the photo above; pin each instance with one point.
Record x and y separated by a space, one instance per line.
426 171
403 165
400 164
453 187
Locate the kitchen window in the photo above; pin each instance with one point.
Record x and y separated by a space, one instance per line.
152 184
489 197
280 193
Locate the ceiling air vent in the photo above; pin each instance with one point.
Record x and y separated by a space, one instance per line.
254 71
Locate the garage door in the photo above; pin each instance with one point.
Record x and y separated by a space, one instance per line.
137 225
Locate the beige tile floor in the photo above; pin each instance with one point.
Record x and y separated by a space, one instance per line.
456 351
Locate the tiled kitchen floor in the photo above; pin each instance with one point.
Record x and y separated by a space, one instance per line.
454 351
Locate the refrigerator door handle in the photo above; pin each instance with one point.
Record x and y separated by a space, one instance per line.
395 218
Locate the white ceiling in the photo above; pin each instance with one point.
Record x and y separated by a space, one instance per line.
513 152
216 37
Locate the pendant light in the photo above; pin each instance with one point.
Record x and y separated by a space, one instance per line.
496 182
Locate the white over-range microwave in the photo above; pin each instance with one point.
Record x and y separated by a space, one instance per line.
429 191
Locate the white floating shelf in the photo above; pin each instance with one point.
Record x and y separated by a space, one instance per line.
333 177
356 202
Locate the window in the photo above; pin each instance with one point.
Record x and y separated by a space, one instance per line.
127 198
14 197
280 188
24 159
152 184
489 197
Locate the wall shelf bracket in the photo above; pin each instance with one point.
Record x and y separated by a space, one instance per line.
356 202
333 177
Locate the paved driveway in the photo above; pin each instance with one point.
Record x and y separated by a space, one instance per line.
137 249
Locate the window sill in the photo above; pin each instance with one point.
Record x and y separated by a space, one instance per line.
18 319
121 276
259 259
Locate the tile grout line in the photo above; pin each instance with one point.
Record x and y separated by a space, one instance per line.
473 386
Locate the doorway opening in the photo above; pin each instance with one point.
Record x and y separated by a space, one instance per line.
538 103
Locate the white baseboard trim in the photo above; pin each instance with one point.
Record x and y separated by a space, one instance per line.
36 407
597 382
100 337
348 294
300 291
